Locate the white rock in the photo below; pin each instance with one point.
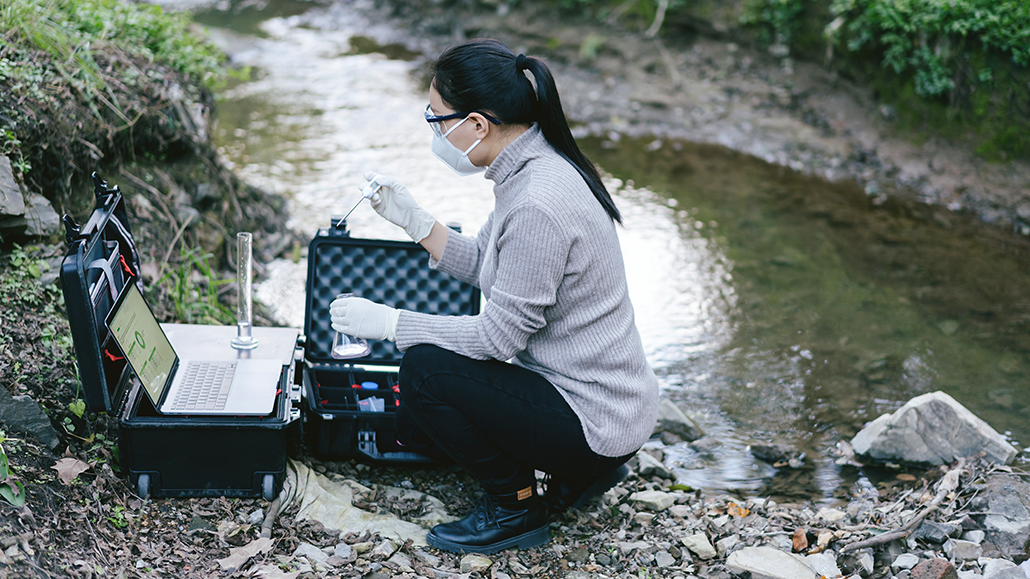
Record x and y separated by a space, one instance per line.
672 419
824 564
648 465
968 574
653 500
628 547
681 511
1003 569
643 519
769 563
913 434
386 549
402 561
664 559
42 220
475 564
310 552
905 561
965 550
428 559
725 544
975 536
343 551
1025 566
830 515
700 545
865 559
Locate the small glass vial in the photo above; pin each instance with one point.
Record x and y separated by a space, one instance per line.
345 346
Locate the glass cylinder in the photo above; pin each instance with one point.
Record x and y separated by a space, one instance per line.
244 339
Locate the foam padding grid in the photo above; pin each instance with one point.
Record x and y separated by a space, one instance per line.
394 273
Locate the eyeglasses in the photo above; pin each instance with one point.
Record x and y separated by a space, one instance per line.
435 120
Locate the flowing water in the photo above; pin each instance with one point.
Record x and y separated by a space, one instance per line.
774 307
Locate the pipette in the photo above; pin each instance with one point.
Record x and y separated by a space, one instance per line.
366 193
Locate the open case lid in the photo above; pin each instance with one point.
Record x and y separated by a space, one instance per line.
395 273
101 258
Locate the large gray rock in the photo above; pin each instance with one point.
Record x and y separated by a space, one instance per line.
41 219
769 563
1007 527
931 429
12 203
671 419
23 414
1003 569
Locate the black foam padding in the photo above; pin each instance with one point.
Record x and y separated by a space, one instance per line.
395 273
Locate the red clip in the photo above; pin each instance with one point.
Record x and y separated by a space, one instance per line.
324 402
125 266
356 386
112 357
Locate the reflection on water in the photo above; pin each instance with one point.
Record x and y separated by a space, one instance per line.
774 307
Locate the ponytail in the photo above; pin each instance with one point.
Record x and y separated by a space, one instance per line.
486 75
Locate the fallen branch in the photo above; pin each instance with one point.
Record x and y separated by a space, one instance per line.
949 482
273 512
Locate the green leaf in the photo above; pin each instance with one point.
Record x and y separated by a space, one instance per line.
681 487
4 471
14 495
78 407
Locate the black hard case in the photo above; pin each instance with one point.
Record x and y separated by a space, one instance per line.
169 456
394 273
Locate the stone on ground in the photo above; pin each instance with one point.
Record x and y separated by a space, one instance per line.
700 545
932 429
1003 569
1007 500
656 501
671 419
769 563
935 568
475 564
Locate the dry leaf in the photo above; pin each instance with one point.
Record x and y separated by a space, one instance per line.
800 540
824 538
735 509
240 555
906 477
68 468
267 571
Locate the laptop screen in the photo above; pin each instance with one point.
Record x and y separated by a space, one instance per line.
142 341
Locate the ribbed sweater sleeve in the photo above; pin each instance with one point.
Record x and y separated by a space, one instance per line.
550 267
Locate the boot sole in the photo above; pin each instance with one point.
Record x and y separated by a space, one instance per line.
533 538
601 486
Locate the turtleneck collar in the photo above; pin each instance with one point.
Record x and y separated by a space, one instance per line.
512 157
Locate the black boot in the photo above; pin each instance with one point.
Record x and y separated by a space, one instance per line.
495 524
561 495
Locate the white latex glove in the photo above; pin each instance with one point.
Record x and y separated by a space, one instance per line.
396 205
362 318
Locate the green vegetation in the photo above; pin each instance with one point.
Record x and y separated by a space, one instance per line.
96 80
74 32
194 290
11 489
959 69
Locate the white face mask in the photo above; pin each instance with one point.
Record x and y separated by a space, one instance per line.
454 157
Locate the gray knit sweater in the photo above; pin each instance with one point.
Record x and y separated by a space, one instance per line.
550 267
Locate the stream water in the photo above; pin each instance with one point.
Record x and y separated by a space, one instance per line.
774 307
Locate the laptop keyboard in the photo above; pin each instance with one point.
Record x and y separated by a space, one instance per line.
205 386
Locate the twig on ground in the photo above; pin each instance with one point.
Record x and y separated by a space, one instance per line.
949 482
273 512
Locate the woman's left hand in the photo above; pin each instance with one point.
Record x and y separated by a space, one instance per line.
362 318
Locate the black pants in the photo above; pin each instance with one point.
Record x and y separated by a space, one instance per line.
497 420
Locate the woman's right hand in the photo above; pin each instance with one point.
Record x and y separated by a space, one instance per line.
396 205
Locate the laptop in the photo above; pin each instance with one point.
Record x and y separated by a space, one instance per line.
239 387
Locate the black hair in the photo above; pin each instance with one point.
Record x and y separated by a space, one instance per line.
485 75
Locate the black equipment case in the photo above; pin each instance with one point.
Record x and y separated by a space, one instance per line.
170 456
338 424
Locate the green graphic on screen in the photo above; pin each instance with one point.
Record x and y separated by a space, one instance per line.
144 344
